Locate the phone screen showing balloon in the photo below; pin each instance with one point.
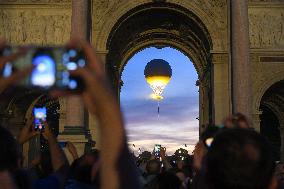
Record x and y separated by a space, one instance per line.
39 118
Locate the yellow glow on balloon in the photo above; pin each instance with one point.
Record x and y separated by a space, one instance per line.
157 84
158 80
156 97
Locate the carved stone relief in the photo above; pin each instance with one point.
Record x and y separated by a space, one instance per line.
215 8
103 7
266 28
41 26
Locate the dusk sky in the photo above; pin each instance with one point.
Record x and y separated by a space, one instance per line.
177 124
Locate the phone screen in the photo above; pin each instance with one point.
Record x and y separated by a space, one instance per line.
39 117
157 150
51 67
62 144
209 141
44 73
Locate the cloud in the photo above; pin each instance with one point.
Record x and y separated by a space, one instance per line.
176 126
177 109
181 138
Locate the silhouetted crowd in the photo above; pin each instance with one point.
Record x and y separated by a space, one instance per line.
231 156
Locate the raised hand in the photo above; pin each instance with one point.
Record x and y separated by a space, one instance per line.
163 152
100 100
47 133
28 131
72 149
198 155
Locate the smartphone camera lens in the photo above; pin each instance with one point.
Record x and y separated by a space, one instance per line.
71 66
72 60
73 84
72 53
81 63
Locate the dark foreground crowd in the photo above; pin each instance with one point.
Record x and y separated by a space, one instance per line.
236 157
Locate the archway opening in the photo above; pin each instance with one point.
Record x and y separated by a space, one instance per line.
272 118
177 124
173 26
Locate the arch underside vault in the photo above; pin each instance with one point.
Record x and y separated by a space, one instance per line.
161 25
272 120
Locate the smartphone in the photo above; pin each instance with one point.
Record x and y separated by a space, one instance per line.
157 150
39 118
208 141
51 67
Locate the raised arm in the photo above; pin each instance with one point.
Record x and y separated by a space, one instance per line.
100 100
72 149
58 158
164 159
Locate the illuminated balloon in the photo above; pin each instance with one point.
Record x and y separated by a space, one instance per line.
158 74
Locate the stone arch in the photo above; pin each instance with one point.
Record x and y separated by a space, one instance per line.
276 77
173 26
274 109
272 117
205 10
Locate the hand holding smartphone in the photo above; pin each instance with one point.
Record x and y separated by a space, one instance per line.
51 67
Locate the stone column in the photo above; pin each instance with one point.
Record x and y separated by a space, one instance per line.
79 25
75 109
203 106
240 57
221 86
74 128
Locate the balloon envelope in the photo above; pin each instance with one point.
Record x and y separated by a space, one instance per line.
158 67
